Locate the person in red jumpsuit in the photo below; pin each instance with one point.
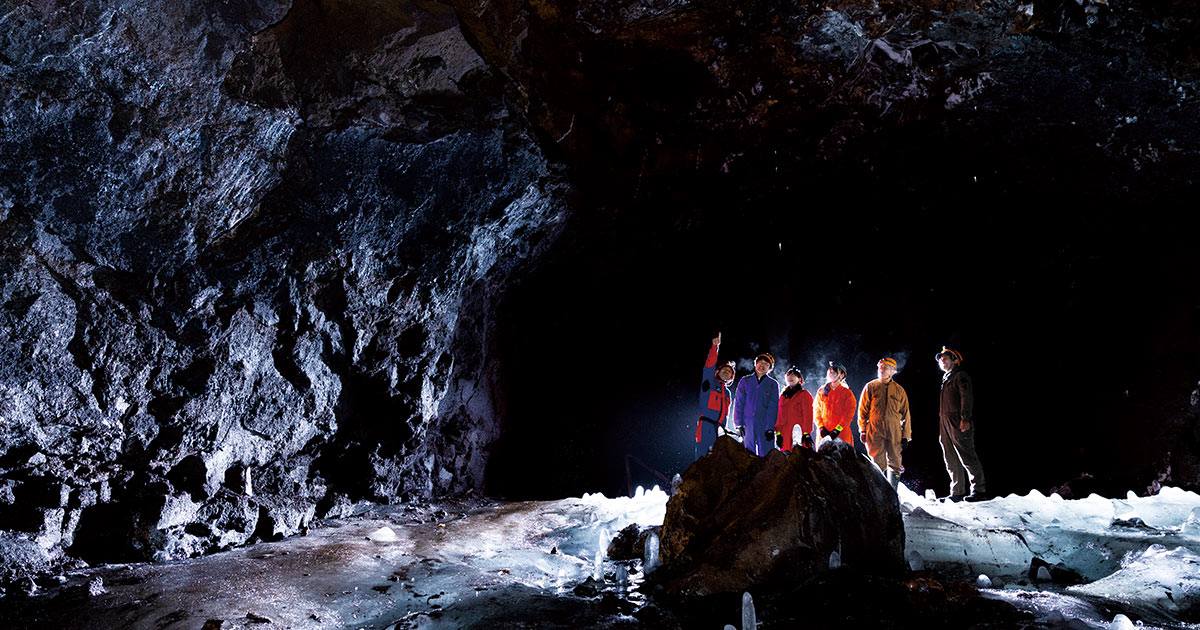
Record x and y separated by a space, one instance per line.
795 410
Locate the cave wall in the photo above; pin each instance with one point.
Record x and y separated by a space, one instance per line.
249 256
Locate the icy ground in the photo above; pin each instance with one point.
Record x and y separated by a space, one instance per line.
1137 556
510 565
511 561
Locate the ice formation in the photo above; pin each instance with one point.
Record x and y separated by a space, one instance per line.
651 561
1136 554
749 618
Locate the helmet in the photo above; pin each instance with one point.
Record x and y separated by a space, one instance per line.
728 364
953 353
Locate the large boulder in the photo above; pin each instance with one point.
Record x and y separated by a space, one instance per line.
739 521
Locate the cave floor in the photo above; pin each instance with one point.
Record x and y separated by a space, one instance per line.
527 565
502 563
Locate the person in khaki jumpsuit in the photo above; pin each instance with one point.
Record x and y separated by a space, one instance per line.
883 420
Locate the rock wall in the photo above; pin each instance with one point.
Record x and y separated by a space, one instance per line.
249 254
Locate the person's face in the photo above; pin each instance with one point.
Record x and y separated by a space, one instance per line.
885 371
761 367
832 375
792 380
946 363
725 373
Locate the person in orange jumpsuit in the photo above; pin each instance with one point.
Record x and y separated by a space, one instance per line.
795 409
835 407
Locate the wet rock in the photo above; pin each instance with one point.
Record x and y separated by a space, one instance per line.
590 587
741 521
629 543
1042 571
250 254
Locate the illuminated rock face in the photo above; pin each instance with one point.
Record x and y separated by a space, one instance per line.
739 521
250 256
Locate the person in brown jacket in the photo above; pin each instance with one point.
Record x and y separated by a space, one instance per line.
957 429
883 420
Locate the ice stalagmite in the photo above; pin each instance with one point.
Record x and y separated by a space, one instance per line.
915 561
1192 524
835 560
749 620
651 561
797 436
383 534
598 568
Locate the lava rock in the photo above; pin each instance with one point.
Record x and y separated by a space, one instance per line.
590 587
740 521
250 256
630 543
1059 573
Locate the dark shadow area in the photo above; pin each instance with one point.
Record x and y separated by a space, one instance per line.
1061 292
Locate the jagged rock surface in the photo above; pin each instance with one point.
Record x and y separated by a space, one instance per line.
740 522
249 254
687 98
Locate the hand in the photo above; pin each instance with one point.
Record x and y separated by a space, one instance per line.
770 433
778 440
903 443
964 426
717 340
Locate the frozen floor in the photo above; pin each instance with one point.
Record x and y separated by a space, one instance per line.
516 565
487 564
1138 556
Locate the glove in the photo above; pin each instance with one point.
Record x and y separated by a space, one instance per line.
807 441
833 434
903 443
770 433
778 440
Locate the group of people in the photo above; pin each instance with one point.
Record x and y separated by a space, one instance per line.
764 417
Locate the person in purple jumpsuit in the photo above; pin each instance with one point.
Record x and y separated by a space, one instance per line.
756 405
